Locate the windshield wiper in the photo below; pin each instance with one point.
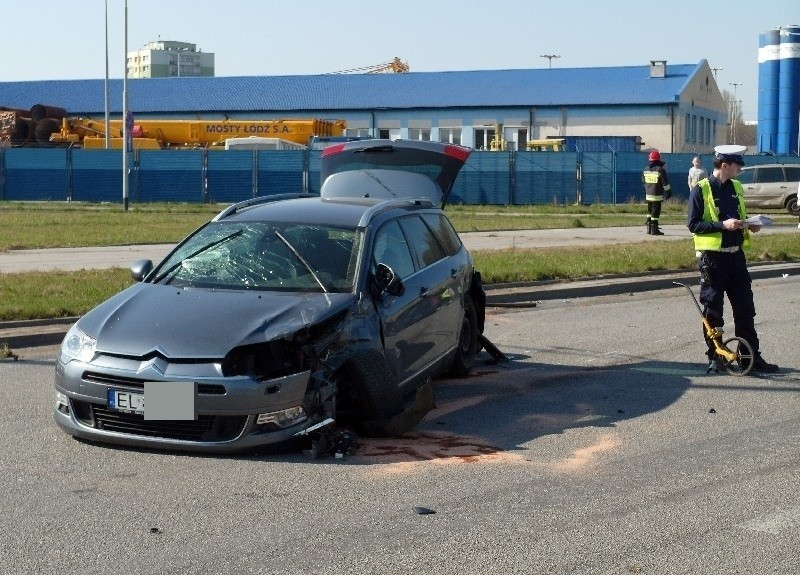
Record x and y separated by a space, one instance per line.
303 261
195 253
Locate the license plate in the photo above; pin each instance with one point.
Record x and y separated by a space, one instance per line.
126 401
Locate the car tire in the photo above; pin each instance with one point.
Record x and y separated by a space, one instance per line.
467 345
367 396
792 206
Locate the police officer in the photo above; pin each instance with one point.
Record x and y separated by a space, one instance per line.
716 211
656 190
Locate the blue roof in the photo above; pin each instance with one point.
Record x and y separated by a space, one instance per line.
629 85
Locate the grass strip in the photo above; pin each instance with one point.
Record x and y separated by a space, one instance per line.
28 225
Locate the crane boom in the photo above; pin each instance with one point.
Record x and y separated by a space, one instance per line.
396 66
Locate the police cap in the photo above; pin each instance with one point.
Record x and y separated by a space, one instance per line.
731 154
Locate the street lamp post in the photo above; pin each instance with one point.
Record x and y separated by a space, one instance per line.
550 59
125 118
715 70
733 110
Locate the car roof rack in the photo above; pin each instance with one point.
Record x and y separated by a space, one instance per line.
230 210
387 205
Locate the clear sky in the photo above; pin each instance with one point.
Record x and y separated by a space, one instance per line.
65 39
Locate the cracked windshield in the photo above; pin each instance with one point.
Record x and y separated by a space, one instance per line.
257 255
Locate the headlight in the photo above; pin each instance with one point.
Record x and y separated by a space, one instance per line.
77 345
283 418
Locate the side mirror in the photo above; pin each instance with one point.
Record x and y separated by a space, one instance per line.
387 281
140 269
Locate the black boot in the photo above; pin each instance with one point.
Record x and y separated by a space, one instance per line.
761 366
654 228
649 226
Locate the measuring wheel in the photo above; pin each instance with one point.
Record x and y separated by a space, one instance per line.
744 356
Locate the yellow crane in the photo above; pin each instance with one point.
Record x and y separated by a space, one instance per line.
159 134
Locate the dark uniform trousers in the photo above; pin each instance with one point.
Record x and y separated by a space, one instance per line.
726 273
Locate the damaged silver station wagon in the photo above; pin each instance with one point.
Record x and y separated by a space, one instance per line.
284 317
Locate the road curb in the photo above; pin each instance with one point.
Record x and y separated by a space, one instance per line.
35 332
526 295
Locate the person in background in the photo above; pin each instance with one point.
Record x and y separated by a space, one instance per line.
656 190
716 211
696 173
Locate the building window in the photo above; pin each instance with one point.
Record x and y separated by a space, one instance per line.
357 133
483 138
450 135
708 130
423 134
687 129
389 134
694 128
702 137
521 142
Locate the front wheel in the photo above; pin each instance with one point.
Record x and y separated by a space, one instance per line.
792 206
367 396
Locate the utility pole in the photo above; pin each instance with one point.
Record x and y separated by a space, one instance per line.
733 110
715 70
105 86
550 59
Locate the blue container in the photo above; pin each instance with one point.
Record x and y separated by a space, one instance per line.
789 90
768 74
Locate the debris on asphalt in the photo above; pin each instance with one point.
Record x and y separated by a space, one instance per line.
331 441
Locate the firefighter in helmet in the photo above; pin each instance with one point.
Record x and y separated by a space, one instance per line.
656 190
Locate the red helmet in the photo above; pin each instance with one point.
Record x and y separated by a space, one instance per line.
654 157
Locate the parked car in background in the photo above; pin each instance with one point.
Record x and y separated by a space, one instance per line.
283 316
771 186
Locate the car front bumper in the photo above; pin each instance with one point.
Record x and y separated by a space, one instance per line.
232 413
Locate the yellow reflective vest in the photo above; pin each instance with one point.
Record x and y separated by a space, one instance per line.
712 242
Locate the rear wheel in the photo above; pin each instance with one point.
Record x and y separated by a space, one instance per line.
467 341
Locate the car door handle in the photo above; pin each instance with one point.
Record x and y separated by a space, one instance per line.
424 292
453 273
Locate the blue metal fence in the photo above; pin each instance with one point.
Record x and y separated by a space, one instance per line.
499 178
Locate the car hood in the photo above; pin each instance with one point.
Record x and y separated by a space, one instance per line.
200 323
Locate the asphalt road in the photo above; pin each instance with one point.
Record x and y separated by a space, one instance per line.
602 447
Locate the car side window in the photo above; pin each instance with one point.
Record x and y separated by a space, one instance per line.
444 232
391 248
792 173
770 175
425 245
746 176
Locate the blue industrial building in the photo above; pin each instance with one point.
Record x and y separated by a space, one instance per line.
675 108
608 117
